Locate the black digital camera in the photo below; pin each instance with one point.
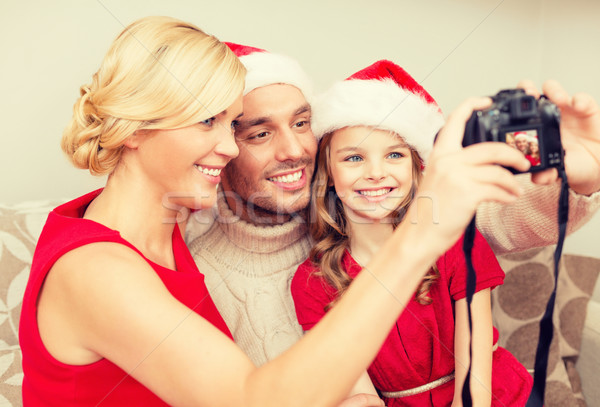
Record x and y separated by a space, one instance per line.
522 121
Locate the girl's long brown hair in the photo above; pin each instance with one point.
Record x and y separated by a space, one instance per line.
329 229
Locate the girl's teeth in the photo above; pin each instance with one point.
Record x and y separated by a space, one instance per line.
378 192
288 178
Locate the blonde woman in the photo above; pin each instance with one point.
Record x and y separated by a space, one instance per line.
115 311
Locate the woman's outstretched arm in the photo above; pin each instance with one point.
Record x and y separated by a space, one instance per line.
125 314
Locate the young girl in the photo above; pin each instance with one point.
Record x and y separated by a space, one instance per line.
116 313
377 129
534 151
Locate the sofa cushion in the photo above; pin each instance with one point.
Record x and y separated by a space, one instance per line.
519 304
20 227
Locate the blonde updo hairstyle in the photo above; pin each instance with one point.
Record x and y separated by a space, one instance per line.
159 73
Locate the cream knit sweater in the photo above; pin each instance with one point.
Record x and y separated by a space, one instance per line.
249 268
248 271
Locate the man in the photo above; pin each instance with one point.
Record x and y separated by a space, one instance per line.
522 142
250 254
252 250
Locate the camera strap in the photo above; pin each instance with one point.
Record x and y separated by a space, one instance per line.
536 398
468 241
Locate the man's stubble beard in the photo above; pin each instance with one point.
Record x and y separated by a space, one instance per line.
250 206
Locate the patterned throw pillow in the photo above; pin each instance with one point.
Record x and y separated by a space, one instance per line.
519 304
20 227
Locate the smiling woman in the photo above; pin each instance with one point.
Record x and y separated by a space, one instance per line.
185 163
158 118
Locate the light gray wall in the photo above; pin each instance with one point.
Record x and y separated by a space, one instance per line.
454 48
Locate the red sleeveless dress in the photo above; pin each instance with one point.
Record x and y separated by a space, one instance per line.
48 382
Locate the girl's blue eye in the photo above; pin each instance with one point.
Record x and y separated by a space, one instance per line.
396 155
353 158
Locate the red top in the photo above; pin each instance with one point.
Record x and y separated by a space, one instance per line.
420 348
533 161
49 382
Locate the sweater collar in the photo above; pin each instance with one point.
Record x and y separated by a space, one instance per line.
257 238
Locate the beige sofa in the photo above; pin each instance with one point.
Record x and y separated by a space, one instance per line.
574 361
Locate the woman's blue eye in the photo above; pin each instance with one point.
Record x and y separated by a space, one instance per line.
396 155
208 122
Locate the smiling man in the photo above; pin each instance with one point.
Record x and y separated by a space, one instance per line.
271 178
259 238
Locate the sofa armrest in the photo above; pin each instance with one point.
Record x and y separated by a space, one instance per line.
588 364
20 227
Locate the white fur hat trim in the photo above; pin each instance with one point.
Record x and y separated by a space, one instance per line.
265 68
381 104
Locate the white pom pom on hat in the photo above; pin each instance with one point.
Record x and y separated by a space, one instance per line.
383 96
265 68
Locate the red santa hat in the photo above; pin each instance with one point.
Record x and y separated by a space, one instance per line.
265 68
521 135
382 96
